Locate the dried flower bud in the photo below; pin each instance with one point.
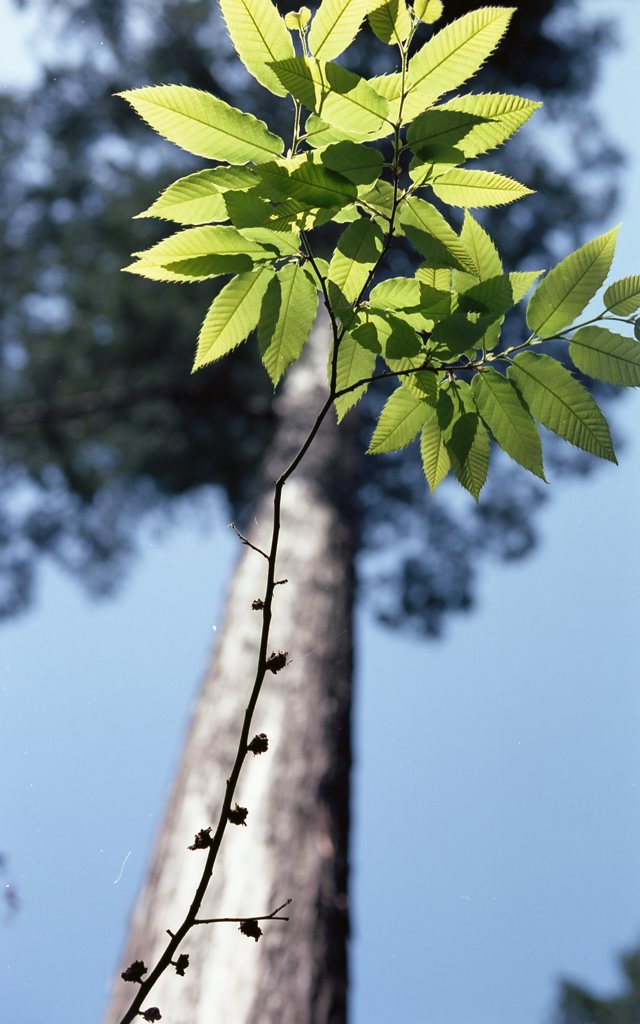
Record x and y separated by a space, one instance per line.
277 661
258 604
202 839
134 972
252 929
259 744
238 816
181 963
153 1013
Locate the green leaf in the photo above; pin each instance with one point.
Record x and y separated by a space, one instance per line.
360 164
607 356
435 277
455 53
320 134
380 197
260 36
559 402
435 458
297 20
428 10
460 187
340 97
312 184
623 297
204 125
496 295
191 200
286 318
432 236
500 116
232 315
222 244
436 130
335 26
483 250
465 437
153 273
277 243
400 420
357 252
390 21
570 285
501 406
354 363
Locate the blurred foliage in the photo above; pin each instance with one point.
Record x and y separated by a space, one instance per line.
101 421
576 1005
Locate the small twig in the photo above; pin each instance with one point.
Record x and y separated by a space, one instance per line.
237 920
245 540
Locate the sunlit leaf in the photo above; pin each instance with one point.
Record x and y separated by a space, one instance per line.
335 26
390 21
465 437
461 187
355 363
357 252
286 318
607 356
623 297
340 97
233 314
432 236
400 420
559 402
435 458
260 36
501 407
203 124
572 283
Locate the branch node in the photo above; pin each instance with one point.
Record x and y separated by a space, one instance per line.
238 816
134 972
202 839
181 964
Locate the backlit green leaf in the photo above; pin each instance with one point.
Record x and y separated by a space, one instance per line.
340 97
623 297
232 316
357 252
607 356
432 236
313 184
400 420
203 124
335 26
500 116
260 36
354 363
559 402
455 53
465 437
191 200
390 21
482 248
460 187
219 241
496 295
154 273
572 283
435 458
286 318
359 163
436 130
505 414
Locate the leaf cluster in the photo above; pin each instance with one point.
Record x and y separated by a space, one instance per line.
384 156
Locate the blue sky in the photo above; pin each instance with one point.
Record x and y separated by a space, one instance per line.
514 743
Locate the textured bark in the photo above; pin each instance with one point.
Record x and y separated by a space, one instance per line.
297 793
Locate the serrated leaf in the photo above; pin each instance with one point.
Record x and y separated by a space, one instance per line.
501 407
496 295
278 243
432 236
191 200
220 242
570 286
297 20
400 420
460 187
435 458
465 437
455 53
500 117
335 26
260 36
232 315
623 297
436 130
357 252
354 363
483 250
311 184
435 277
380 198
319 134
561 404
606 356
153 273
428 10
340 97
361 164
286 318
390 21
204 125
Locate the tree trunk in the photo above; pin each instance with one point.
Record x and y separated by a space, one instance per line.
297 793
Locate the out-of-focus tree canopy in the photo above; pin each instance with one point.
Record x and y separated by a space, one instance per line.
577 1005
101 421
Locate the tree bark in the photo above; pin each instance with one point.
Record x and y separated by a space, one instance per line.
296 842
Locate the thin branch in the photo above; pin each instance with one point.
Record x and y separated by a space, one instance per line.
245 540
273 916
